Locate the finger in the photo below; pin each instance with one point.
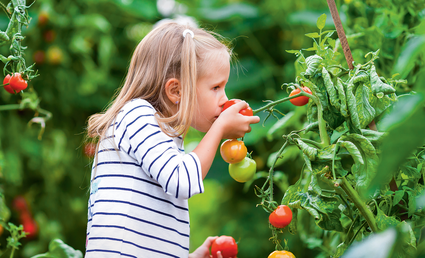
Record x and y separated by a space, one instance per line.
240 105
209 240
254 119
219 255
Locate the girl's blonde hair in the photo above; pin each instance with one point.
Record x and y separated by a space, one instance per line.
163 54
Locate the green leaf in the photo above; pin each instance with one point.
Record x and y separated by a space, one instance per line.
377 85
353 150
313 35
414 47
365 111
368 247
406 126
311 152
330 88
58 249
321 21
281 123
398 196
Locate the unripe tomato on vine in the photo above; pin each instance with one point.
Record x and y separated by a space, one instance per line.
281 216
226 245
243 171
281 254
246 111
301 100
233 151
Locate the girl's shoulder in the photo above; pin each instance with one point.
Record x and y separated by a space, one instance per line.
135 109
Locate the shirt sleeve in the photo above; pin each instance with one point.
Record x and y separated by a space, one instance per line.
157 154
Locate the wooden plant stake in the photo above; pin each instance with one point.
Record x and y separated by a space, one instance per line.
341 33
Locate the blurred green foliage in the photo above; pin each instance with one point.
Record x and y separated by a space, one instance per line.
82 50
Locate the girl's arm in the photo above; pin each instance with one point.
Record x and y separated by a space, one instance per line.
229 125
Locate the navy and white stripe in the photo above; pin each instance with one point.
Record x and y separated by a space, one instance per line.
140 186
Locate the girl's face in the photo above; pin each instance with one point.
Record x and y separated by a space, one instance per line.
210 91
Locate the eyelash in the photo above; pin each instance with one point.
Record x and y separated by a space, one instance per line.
216 87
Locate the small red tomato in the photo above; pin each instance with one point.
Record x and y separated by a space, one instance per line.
43 18
1 230
17 83
226 245
39 56
7 87
29 224
301 100
233 151
281 217
49 36
90 150
246 111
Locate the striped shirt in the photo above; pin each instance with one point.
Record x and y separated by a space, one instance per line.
138 196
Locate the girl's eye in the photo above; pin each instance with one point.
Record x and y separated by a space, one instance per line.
216 88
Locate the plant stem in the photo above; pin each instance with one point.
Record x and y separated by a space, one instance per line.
10 107
355 198
272 170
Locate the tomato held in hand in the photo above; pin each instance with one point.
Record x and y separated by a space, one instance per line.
281 217
281 254
301 100
243 171
7 87
226 245
17 83
233 151
246 111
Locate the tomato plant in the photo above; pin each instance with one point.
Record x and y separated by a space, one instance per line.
340 185
233 151
301 100
246 111
226 245
281 254
243 171
281 216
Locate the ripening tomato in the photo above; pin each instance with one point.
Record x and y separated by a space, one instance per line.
226 245
17 83
43 18
54 55
90 149
246 111
1 230
29 224
281 254
301 100
281 217
243 171
233 151
7 87
49 36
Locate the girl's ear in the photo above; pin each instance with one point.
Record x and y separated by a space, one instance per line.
173 90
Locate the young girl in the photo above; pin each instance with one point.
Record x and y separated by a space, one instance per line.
141 177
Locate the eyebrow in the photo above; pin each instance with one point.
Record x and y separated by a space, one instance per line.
220 83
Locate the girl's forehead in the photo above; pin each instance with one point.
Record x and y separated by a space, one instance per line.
214 61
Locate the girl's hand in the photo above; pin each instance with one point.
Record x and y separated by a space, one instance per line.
233 124
204 250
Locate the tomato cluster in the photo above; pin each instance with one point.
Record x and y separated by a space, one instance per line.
234 152
14 84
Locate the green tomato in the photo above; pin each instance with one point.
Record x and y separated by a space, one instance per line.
243 171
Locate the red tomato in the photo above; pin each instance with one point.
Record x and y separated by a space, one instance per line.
1 230
301 100
17 83
90 150
233 151
30 226
226 245
246 111
281 254
281 217
39 56
7 87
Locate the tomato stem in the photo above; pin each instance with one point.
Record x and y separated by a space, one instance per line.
361 206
